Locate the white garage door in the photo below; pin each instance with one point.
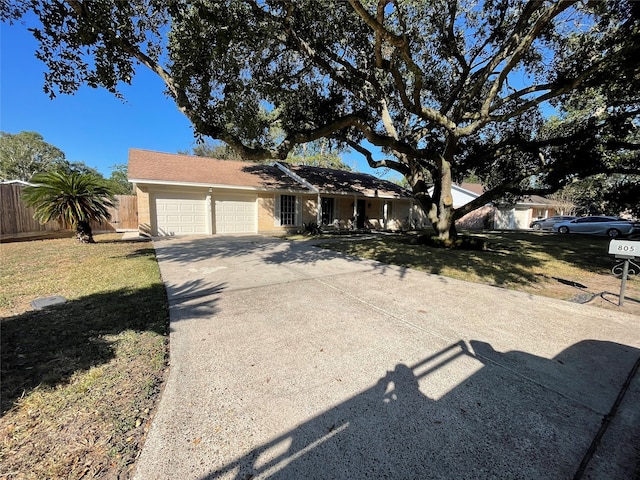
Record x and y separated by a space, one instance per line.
236 214
522 218
181 214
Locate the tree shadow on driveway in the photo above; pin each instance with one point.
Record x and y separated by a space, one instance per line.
497 423
268 250
510 258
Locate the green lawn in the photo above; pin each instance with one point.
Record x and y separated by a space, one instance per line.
569 267
79 380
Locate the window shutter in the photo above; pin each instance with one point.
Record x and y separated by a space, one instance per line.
276 215
298 219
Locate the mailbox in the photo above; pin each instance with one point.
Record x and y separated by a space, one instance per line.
624 248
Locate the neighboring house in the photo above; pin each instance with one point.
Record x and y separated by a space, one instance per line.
464 193
520 215
482 217
500 216
181 195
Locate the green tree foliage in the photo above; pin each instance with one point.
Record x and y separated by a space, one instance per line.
319 153
444 88
212 150
324 160
78 167
119 180
76 198
315 154
606 194
605 138
24 154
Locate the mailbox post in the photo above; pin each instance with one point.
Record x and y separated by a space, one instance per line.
626 250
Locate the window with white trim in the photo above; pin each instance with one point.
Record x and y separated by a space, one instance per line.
287 210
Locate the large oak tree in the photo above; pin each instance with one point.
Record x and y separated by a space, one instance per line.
24 154
443 88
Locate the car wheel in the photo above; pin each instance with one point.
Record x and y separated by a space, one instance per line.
563 229
613 233
536 226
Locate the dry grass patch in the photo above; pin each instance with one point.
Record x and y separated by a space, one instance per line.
79 380
568 267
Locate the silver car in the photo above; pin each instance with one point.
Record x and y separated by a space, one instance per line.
549 222
610 226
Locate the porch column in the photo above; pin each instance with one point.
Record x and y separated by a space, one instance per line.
385 214
355 212
319 211
411 226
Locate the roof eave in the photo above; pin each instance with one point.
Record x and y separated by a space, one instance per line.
139 181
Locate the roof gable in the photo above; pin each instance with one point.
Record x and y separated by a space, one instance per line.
461 196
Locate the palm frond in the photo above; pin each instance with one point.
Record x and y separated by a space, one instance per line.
72 197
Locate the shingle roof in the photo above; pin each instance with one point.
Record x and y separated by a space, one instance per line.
476 188
149 166
328 180
537 200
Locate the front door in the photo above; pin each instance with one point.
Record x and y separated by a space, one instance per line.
361 212
327 211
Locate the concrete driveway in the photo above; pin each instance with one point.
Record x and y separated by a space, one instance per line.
293 362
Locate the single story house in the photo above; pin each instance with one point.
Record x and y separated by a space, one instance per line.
186 195
497 215
520 215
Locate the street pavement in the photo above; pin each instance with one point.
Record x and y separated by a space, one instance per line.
288 361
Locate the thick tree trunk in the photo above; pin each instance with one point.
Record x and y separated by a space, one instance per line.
444 224
439 205
83 232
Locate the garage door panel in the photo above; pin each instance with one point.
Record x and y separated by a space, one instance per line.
236 214
180 214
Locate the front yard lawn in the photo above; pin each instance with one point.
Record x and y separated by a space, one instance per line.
568 267
79 380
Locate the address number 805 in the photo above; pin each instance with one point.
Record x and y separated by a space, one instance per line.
624 247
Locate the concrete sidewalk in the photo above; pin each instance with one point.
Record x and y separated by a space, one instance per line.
292 362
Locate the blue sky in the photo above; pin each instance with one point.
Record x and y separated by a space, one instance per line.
92 126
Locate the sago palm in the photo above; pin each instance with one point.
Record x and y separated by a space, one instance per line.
76 198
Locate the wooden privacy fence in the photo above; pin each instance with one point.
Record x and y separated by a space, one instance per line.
16 219
123 217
